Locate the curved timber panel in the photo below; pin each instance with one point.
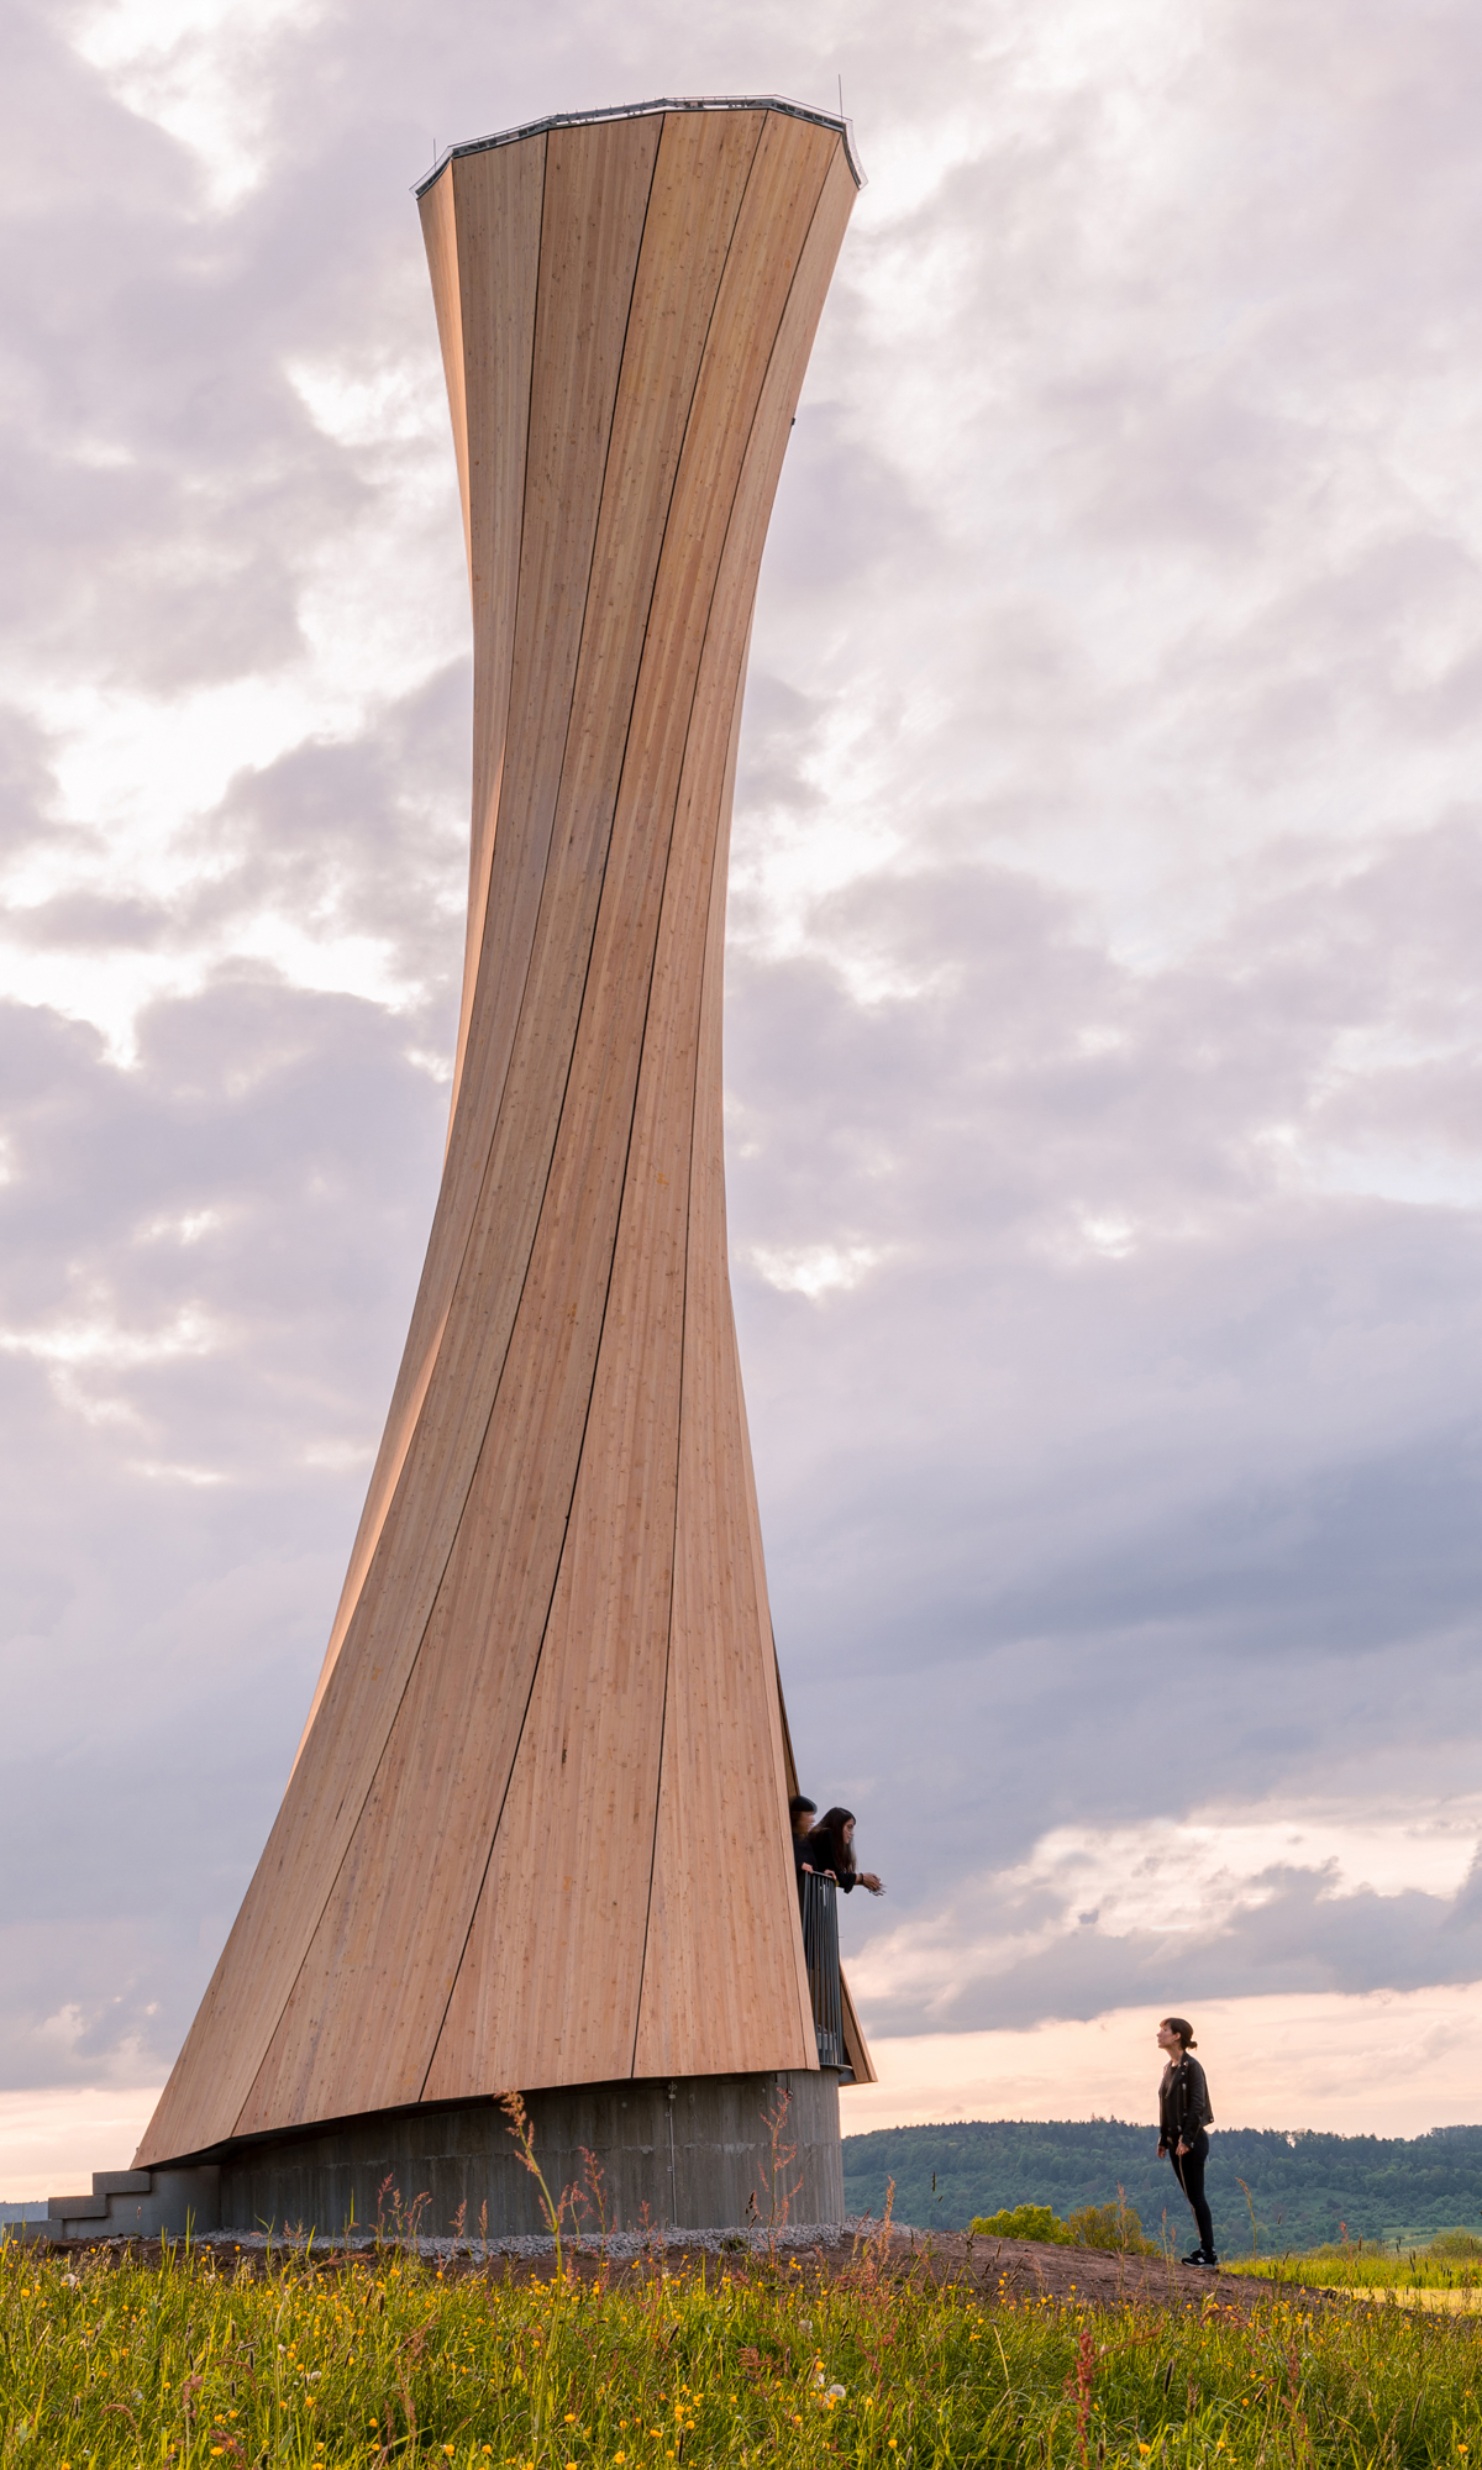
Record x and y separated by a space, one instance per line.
536 1832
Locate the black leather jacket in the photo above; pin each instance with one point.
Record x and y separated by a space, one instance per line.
820 1849
1183 2102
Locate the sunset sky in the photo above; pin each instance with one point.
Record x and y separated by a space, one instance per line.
1104 1051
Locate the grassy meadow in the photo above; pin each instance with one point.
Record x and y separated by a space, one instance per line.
1451 2261
211 2357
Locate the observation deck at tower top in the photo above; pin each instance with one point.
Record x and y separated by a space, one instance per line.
641 111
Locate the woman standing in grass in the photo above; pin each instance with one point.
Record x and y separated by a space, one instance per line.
1184 2120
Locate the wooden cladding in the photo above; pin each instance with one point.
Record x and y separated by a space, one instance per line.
536 1833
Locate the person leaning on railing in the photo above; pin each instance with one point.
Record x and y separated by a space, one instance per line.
830 1848
802 1813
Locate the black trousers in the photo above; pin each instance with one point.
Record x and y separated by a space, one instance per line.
1188 2169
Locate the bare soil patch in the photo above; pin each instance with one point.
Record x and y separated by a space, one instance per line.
1000 2269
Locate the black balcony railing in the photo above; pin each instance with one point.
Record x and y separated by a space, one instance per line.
820 1901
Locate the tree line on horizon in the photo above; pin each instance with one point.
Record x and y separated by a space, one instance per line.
1271 2190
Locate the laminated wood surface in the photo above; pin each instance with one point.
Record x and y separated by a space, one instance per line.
504 201
537 1830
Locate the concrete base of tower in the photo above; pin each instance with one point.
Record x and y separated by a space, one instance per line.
692 2153
696 2152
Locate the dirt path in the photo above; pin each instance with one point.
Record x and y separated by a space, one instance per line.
1009 2268
999 2269
1020 2268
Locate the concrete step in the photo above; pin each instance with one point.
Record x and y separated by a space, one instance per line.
140 2204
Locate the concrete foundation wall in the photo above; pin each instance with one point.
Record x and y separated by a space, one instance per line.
697 2153
169 2203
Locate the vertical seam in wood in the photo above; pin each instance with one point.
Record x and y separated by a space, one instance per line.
477 1456
348 1604
475 958
565 751
689 1194
648 999
684 1311
788 1760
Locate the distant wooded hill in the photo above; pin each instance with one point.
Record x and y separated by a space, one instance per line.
1303 2188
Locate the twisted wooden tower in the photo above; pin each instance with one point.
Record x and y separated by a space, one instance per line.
536 1834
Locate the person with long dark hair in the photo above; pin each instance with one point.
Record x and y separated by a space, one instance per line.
1184 2121
831 1850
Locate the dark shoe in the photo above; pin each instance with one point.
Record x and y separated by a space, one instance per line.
1196 2257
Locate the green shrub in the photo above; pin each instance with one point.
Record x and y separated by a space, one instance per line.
1113 2227
1023 2221
1456 2243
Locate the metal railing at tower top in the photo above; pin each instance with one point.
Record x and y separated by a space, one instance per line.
820 1901
442 157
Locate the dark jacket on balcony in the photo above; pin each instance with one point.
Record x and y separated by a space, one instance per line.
825 1852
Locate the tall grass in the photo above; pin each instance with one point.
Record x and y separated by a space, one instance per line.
206 2359
1451 2261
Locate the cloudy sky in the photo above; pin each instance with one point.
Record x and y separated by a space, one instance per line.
1104 1062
